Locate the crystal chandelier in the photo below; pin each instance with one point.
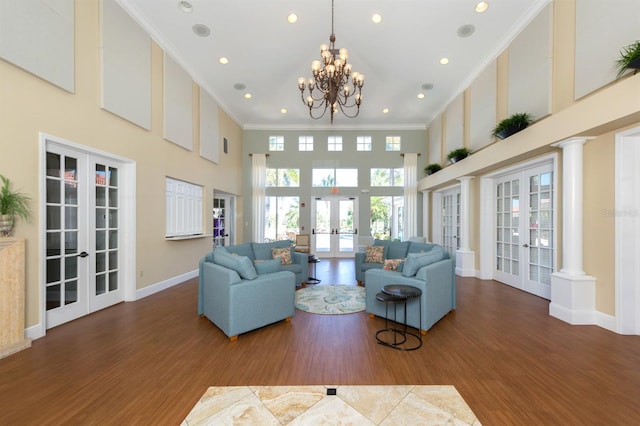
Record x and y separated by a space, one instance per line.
329 89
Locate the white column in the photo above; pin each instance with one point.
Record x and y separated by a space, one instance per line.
426 214
465 258
572 291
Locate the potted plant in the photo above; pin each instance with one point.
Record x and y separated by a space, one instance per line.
629 59
512 125
432 168
12 204
458 154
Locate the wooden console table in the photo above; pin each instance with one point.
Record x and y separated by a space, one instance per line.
12 296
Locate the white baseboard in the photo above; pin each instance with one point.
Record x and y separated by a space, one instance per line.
163 285
583 317
37 331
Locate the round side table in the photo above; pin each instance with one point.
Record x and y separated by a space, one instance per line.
398 294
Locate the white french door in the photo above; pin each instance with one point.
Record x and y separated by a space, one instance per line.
525 230
451 220
83 236
335 226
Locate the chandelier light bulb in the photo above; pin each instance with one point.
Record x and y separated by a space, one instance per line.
301 83
323 48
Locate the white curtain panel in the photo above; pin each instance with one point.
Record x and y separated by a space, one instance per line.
410 195
259 174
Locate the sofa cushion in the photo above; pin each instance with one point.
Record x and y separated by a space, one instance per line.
420 247
267 266
393 264
241 250
395 249
416 261
367 266
263 250
284 254
241 264
375 254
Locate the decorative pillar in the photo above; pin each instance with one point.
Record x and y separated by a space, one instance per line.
465 258
426 213
572 291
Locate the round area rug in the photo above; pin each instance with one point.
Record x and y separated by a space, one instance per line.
330 299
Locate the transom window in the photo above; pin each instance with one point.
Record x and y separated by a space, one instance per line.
305 143
387 177
276 143
334 177
393 143
283 178
363 143
334 143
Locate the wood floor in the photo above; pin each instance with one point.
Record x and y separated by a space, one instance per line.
148 362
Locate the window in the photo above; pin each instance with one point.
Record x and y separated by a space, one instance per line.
334 177
334 143
387 215
387 177
183 208
305 143
393 143
283 178
363 143
282 218
276 143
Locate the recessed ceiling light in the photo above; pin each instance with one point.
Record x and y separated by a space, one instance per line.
283 111
385 111
466 30
223 60
185 6
292 18
248 95
444 61
376 18
201 30
482 7
427 86
420 95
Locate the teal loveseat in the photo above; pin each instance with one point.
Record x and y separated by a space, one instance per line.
433 272
239 293
393 250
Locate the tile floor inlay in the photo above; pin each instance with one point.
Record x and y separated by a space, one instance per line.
352 405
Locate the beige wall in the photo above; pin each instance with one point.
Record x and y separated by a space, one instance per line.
29 105
601 114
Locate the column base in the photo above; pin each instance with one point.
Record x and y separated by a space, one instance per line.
466 263
573 298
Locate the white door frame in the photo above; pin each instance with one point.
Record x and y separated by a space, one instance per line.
487 238
127 219
627 232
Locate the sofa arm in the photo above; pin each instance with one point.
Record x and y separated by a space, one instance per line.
210 272
303 260
359 259
443 271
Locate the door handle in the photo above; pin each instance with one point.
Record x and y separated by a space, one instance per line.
525 245
83 254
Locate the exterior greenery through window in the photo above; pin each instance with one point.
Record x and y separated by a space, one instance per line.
392 143
387 215
387 177
288 178
334 177
363 143
276 143
334 143
305 143
282 218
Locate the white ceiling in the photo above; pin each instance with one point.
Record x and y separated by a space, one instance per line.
398 56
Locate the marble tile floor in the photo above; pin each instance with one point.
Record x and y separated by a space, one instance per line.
313 405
